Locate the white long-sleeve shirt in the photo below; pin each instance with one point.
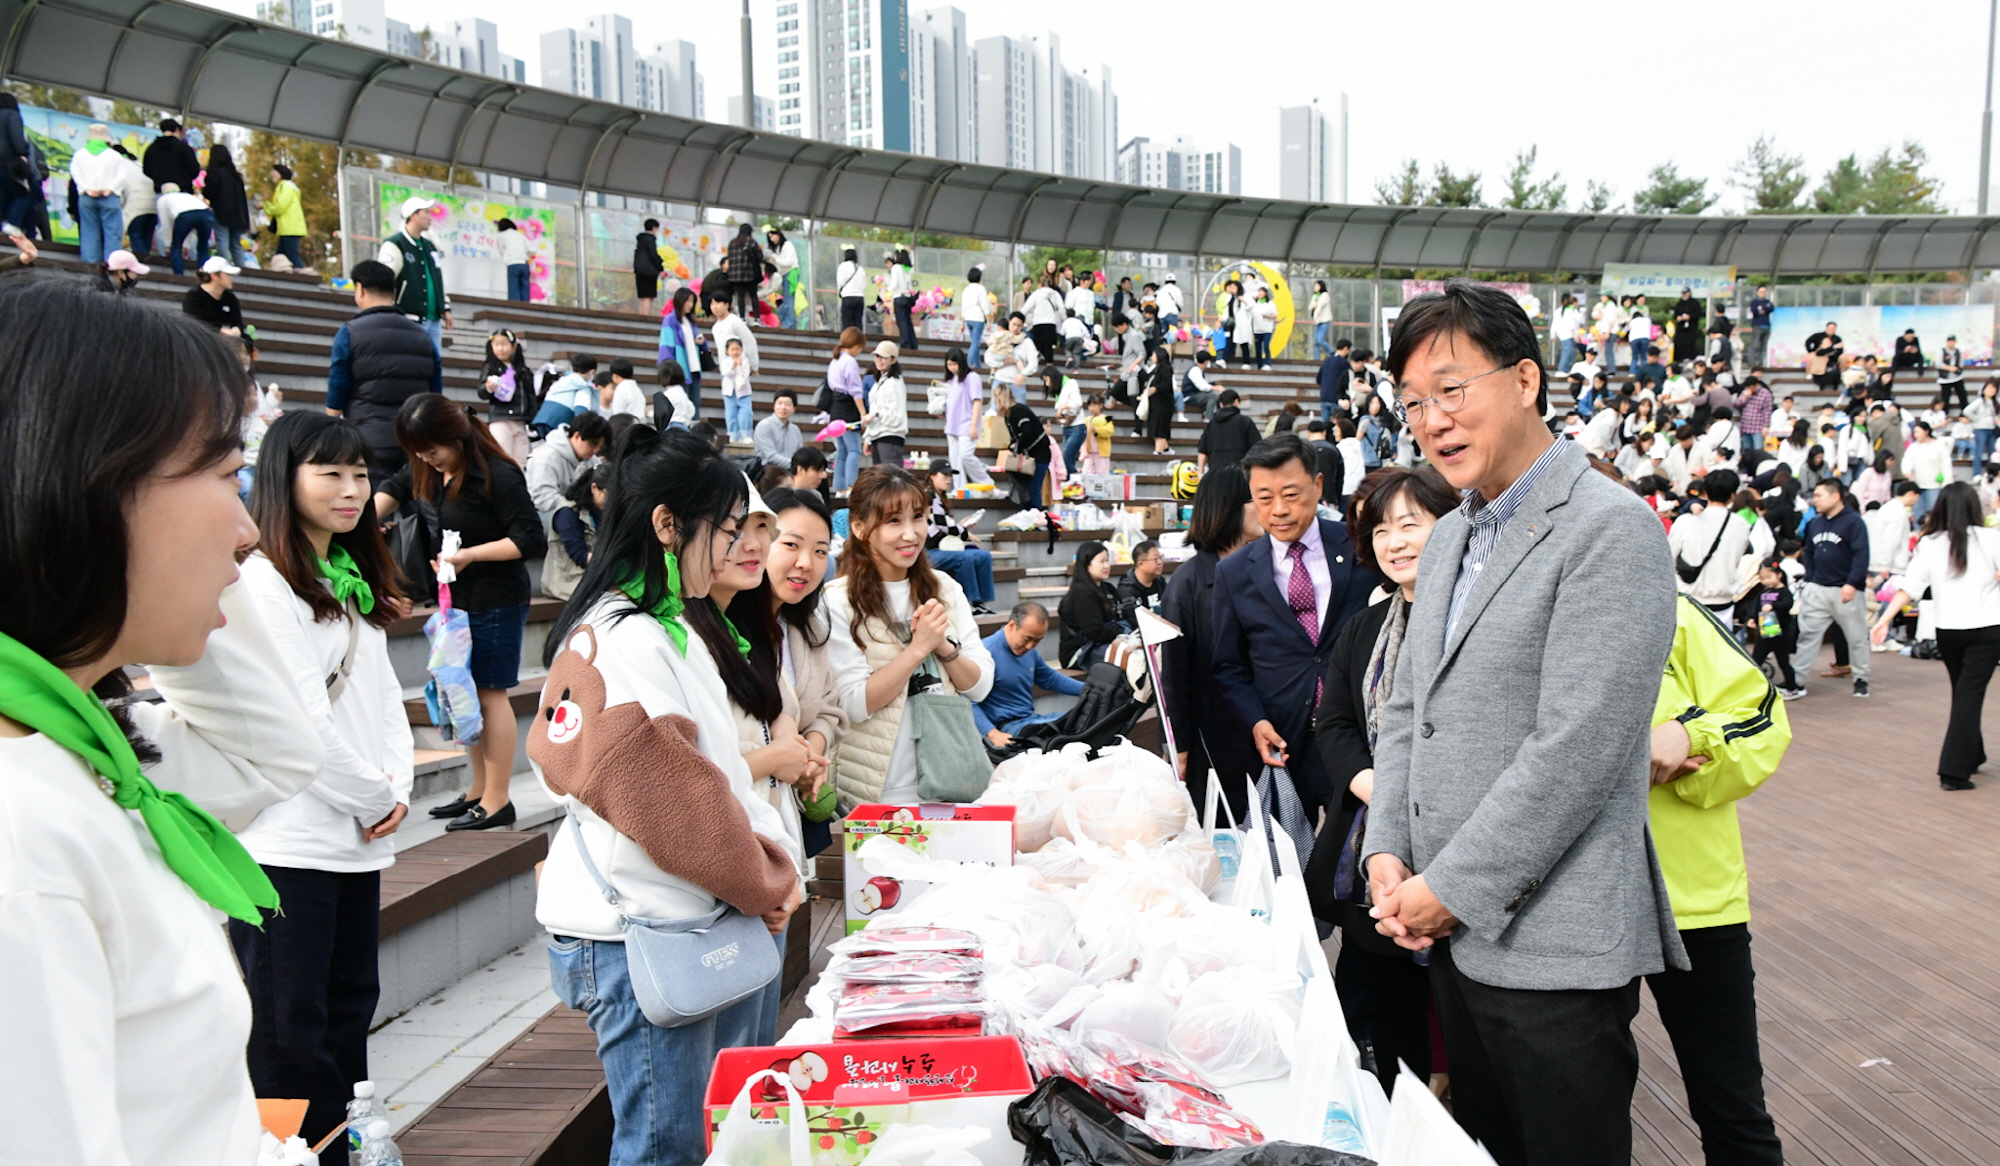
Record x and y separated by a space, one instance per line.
513 247
851 670
973 306
1045 306
103 171
1928 463
122 1010
1168 299
734 327
888 409
1690 540
1969 599
369 763
851 278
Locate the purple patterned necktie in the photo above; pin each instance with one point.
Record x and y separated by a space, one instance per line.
1299 592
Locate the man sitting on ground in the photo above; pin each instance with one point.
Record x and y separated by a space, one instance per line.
1018 669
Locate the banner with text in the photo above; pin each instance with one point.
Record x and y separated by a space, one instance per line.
466 233
1665 280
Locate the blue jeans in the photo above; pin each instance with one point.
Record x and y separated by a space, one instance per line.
1322 348
288 246
738 417
656 1076
1029 497
1925 500
846 458
100 222
517 282
1327 410
140 231
972 567
1982 449
1567 356
435 330
975 333
788 316
772 1001
1263 350
1639 350
200 224
1073 436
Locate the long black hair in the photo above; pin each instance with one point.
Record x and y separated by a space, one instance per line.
1080 582
97 394
674 469
219 159
803 615
1954 514
752 680
314 439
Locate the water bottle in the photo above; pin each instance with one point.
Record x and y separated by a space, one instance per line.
376 1148
362 1110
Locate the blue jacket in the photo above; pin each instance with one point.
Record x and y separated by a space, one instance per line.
1014 681
673 346
1836 552
1335 374
1266 667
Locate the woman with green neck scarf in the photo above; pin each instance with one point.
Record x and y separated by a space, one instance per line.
636 739
323 581
121 1008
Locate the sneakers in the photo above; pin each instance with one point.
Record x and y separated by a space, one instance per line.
1792 693
1861 688
1181 418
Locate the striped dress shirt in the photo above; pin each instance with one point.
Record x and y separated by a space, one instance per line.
1487 520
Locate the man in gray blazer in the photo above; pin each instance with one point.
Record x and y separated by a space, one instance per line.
1511 772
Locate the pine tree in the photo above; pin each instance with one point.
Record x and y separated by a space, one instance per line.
1404 188
1525 194
1671 194
1448 189
1772 180
1897 185
1840 192
1596 198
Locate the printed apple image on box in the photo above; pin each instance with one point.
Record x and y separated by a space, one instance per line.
942 831
854 1090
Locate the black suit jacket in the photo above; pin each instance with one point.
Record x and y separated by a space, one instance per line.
1266 666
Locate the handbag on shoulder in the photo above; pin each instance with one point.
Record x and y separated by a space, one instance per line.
952 764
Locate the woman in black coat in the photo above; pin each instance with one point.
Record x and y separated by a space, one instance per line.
227 198
1028 437
1088 612
1160 398
1223 523
1391 514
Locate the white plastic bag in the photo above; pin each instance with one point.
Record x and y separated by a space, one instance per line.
741 1140
293 1151
1138 1012
1237 1025
900 1145
1118 801
1421 1133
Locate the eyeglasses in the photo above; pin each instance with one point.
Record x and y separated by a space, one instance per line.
1449 399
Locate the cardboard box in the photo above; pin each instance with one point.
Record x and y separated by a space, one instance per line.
1106 487
855 1089
952 833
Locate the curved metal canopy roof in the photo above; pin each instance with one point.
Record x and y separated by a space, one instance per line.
174 55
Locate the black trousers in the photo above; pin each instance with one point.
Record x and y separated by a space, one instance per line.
1048 341
888 451
313 986
1947 388
1399 1013
1969 656
1710 1013
906 328
1540 1077
1782 650
850 312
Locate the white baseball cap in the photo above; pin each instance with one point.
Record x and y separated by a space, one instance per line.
416 203
217 263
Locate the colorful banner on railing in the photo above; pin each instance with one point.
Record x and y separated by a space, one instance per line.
1523 293
1873 331
466 231
1667 279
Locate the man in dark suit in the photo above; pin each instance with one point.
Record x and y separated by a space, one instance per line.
1279 603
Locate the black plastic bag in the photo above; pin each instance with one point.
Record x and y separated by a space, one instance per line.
1062 1124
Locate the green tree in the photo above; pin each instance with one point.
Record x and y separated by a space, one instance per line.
435 171
1897 185
1083 259
1404 188
49 97
1841 191
1449 189
1525 194
1596 198
1671 194
1773 181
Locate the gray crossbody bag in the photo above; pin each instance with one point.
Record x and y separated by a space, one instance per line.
684 970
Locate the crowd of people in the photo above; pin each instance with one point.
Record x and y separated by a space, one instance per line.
1507 845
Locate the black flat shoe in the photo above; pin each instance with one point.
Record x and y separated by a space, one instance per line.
477 818
1956 783
452 809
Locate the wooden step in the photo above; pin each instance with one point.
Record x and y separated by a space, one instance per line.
540 1101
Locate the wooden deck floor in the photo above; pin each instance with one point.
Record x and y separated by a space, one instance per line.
1877 937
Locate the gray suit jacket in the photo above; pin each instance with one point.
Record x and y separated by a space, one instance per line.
1512 767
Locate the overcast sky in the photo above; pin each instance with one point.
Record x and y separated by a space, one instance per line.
1606 91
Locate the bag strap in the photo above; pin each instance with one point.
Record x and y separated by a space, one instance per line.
694 923
1719 532
336 684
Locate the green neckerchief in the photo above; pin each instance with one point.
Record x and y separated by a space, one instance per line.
97 145
742 645
668 609
199 849
340 570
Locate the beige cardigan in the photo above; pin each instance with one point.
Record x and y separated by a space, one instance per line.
813 702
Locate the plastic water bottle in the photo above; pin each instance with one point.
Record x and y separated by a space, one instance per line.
362 1110
376 1148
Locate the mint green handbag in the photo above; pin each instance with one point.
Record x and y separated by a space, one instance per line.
952 764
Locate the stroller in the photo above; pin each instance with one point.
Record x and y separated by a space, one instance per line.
1106 711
